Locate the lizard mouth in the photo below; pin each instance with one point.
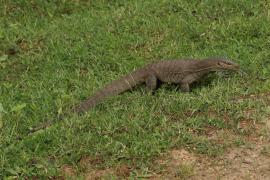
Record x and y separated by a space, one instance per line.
231 68
235 68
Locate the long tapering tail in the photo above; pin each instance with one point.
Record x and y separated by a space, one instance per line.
116 87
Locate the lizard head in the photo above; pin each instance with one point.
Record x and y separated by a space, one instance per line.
225 64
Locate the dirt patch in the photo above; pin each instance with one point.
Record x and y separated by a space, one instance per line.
90 169
246 162
251 160
123 171
238 163
26 46
88 174
86 161
68 171
248 126
99 174
261 96
223 136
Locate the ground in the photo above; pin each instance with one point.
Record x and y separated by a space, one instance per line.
244 161
54 54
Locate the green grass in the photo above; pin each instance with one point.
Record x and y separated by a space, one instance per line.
53 54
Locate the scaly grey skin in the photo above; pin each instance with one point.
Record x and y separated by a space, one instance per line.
183 72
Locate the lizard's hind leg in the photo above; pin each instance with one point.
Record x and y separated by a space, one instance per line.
151 82
184 87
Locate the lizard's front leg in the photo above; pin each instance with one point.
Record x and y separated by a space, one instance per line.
151 82
184 87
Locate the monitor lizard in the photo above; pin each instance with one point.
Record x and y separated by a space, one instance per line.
183 72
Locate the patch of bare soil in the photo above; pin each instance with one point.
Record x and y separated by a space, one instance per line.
261 96
121 172
89 170
238 163
99 174
249 161
68 171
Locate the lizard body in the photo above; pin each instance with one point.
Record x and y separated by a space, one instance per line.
183 72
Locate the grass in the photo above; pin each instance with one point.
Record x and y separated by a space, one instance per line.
53 54
185 171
